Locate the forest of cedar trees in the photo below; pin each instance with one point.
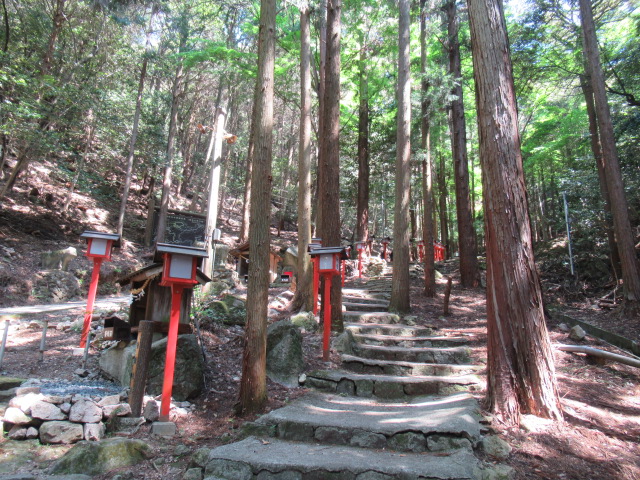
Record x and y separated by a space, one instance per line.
500 133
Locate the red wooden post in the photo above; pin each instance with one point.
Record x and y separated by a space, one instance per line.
316 284
327 317
344 270
170 359
93 289
178 272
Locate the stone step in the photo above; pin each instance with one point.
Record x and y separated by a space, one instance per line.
398 330
432 424
454 355
254 458
411 342
365 307
356 298
370 317
392 367
393 387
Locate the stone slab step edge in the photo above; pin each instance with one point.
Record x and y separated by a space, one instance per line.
411 342
247 459
365 307
369 317
373 366
455 355
363 299
393 387
364 423
398 330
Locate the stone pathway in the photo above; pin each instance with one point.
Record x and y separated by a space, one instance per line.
100 303
398 408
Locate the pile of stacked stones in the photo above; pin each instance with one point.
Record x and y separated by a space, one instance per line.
71 418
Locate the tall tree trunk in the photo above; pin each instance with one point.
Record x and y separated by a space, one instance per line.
58 20
466 236
322 29
596 148
214 188
225 167
362 210
253 386
7 28
286 179
399 301
619 209
246 204
90 131
304 289
594 137
134 130
20 166
329 197
226 164
168 167
4 144
520 362
427 175
442 200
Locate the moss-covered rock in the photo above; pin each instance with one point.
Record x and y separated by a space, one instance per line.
305 320
285 360
96 458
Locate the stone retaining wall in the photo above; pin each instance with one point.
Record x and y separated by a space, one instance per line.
56 419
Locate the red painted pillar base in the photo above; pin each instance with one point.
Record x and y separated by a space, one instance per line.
360 264
327 318
93 289
170 359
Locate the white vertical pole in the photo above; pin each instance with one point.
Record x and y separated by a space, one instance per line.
568 222
43 340
4 340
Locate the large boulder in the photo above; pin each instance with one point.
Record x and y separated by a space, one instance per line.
97 458
285 361
117 363
58 259
56 286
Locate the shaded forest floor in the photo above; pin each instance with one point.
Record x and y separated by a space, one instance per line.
599 439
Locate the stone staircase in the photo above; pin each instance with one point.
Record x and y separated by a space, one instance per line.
398 408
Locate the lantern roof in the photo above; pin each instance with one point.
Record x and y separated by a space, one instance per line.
182 250
329 250
151 271
114 237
